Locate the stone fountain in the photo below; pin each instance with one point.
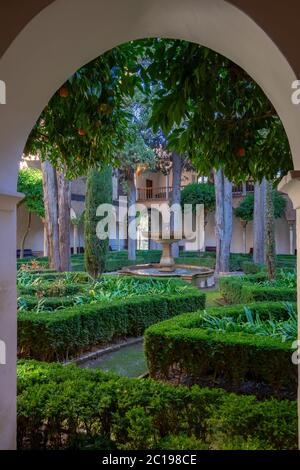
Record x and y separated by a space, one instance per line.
199 275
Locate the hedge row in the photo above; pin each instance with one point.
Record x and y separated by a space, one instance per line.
246 289
181 351
67 407
63 333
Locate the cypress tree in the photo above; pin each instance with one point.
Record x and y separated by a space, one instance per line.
99 191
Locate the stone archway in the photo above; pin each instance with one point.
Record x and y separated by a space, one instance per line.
66 35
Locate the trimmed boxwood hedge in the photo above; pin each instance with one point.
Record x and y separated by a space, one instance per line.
182 351
66 332
246 289
67 407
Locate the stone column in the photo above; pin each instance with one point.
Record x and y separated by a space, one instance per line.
8 320
290 185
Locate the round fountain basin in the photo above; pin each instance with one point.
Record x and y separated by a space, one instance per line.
199 275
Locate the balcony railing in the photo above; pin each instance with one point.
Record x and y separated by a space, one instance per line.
146 194
165 193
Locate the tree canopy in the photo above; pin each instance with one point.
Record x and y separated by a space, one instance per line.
245 209
210 108
30 182
199 193
204 106
85 123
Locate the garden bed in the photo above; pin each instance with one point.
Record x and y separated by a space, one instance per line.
99 316
66 407
207 348
255 288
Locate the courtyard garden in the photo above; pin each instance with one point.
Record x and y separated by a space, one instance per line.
219 365
126 362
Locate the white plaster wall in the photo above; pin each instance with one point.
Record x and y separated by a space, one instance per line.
281 235
35 238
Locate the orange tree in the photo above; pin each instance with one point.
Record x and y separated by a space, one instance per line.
210 108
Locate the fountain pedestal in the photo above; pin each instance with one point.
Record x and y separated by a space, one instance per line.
167 263
199 275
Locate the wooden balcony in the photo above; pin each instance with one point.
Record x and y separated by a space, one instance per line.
156 194
164 193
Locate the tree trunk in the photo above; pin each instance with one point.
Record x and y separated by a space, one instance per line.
259 219
51 214
223 216
25 235
131 218
270 233
176 195
64 221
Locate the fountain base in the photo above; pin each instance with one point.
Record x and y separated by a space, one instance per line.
198 275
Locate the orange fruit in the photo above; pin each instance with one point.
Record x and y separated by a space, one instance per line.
63 92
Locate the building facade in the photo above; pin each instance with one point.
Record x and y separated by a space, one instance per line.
154 187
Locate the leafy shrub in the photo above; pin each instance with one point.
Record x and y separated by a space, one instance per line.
285 279
182 442
251 268
67 277
49 304
62 407
246 289
106 288
52 289
199 193
65 332
253 324
185 349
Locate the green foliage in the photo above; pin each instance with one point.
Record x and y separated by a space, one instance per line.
253 324
98 191
51 289
251 268
86 291
247 289
199 193
85 123
30 182
284 279
245 209
182 442
210 108
198 348
138 148
66 407
68 331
